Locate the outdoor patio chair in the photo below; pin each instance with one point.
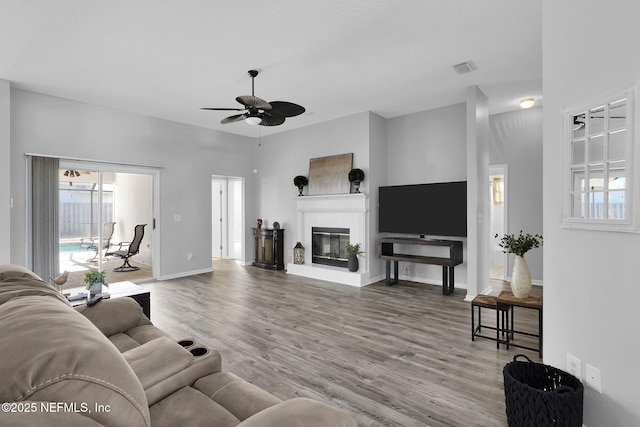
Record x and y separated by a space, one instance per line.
132 249
96 244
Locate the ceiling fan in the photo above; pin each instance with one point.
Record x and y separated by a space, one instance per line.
258 111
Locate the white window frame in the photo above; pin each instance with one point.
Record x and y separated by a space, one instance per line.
632 198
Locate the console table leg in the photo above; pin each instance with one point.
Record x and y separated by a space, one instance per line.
447 280
388 281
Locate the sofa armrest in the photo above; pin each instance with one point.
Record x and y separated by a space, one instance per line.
115 315
157 360
163 367
300 412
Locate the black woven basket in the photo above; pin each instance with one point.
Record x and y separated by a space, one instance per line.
541 395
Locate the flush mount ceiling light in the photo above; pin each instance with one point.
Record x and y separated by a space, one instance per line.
527 102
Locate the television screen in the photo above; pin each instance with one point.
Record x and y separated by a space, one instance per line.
438 209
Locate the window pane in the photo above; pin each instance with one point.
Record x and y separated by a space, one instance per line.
578 179
578 126
596 178
577 152
617 179
596 149
617 145
596 120
616 204
596 205
577 205
617 114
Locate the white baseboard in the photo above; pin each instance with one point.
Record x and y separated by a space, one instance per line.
185 274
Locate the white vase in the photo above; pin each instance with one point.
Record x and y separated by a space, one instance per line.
520 278
95 289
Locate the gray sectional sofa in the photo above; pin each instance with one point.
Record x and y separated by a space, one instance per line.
109 365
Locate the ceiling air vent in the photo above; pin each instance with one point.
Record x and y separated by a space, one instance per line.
464 67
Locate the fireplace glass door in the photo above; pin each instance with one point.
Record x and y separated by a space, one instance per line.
330 246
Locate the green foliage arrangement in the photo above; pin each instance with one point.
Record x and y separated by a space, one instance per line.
93 276
519 245
354 249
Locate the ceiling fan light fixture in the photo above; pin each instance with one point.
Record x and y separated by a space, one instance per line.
527 102
253 120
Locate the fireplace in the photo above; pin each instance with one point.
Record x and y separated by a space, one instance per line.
342 211
329 246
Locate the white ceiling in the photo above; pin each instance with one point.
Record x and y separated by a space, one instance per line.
168 58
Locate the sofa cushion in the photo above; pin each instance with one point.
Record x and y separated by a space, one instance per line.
51 353
239 397
189 404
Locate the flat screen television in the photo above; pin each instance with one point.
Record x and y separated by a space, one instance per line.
438 209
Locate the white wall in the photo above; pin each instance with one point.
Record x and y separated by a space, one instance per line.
428 147
516 140
285 155
591 290
5 171
188 157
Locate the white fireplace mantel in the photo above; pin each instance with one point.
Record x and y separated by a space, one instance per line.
333 210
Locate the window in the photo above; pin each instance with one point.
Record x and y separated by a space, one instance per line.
599 158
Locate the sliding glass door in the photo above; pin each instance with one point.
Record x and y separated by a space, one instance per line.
99 207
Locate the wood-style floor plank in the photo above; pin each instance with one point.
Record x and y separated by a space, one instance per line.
390 356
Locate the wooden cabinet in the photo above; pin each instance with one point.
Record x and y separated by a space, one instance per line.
269 251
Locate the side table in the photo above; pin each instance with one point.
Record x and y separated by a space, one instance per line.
507 300
117 290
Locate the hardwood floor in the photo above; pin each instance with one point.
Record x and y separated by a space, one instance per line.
390 356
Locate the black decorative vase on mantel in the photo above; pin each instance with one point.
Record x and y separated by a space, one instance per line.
352 263
356 176
300 182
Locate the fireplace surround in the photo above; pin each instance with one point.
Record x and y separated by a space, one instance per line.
333 211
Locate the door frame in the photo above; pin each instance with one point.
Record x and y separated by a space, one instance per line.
227 253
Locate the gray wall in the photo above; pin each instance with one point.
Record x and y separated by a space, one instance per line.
426 147
429 146
285 155
591 290
188 156
516 140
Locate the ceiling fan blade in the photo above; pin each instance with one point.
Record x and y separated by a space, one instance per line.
222 109
286 109
233 119
269 120
253 101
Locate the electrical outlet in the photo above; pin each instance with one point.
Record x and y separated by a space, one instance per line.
574 366
593 378
189 256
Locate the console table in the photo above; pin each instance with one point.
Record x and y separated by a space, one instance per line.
386 252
